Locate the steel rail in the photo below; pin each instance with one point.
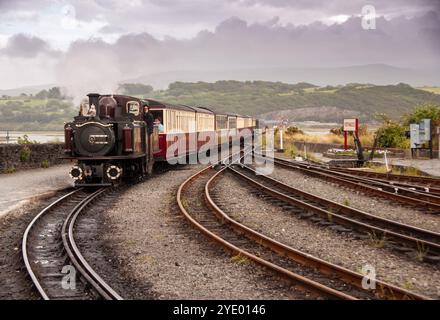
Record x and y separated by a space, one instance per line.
421 180
430 207
420 187
26 241
407 190
303 281
418 238
75 255
423 188
384 289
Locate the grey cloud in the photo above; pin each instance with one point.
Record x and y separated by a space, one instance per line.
236 44
342 6
112 29
26 46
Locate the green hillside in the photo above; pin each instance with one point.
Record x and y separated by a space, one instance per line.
48 109
259 97
31 113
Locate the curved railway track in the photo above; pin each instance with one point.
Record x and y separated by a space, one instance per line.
432 183
309 273
430 203
426 187
50 252
426 191
420 243
421 191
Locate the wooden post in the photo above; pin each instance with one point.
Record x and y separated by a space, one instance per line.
281 140
345 140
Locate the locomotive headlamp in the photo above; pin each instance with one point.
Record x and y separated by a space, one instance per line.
113 172
76 173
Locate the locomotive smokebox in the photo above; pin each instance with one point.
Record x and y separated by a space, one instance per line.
94 99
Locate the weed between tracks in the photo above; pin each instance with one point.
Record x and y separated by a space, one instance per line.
421 251
240 259
330 216
184 203
376 240
407 284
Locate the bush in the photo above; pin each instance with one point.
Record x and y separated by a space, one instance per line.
9 169
392 135
291 130
25 140
337 131
424 111
25 154
45 164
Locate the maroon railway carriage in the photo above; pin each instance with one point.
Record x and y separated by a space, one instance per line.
186 120
117 136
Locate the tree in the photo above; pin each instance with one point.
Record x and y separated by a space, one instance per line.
135 89
423 111
54 93
42 94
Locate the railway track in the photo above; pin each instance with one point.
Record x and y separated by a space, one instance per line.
416 242
432 183
309 273
424 191
428 202
50 252
422 186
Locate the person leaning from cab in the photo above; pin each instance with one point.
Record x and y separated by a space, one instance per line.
157 122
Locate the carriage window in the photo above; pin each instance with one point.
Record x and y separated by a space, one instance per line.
221 122
232 122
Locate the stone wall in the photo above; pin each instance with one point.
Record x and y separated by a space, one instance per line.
14 157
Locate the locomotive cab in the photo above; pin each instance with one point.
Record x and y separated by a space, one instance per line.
109 139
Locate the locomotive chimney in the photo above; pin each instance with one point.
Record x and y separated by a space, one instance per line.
93 100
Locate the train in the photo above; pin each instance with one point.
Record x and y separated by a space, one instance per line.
117 137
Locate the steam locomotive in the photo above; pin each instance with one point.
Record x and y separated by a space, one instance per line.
118 136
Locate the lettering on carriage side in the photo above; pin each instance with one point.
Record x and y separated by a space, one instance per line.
68 282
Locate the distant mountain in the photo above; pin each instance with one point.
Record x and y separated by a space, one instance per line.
379 74
27 90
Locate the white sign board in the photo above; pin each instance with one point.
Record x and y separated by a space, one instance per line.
349 124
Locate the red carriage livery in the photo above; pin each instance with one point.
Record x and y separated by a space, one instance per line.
117 136
194 125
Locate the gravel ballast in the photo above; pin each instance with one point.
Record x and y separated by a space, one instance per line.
14 280
341 249
156 246
355 199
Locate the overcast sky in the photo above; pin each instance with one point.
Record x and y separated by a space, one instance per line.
50 41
